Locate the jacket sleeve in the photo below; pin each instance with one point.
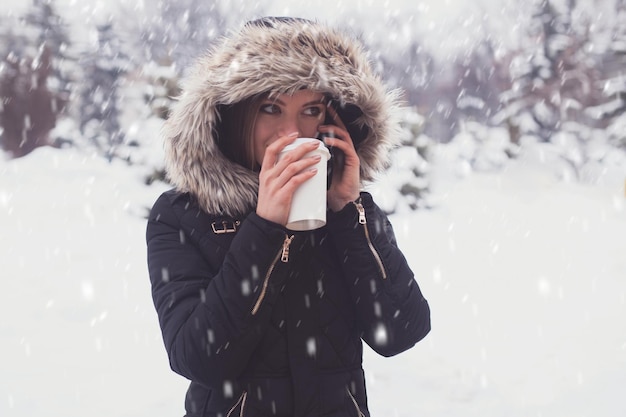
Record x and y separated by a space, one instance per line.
391 311
204 309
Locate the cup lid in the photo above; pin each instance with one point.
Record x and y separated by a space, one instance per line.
300 141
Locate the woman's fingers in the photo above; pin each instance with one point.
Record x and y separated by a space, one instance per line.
290 170
282 162
273 151
341 140
280 177
345 183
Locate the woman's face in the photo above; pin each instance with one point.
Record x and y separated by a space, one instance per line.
281 115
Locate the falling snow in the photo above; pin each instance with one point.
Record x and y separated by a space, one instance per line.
228 389
311 347
521 260
381 337
551 299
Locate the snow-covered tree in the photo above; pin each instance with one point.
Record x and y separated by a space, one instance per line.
178 31
480 79
410 169
47 28
148 95
33 88
612 112
97 99
27 107
555 74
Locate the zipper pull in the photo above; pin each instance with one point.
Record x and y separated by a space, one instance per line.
361 211
284 257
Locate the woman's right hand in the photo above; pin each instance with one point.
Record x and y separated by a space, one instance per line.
279 179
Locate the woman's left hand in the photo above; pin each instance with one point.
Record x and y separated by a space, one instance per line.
345 185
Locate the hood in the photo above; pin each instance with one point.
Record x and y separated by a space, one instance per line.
276 55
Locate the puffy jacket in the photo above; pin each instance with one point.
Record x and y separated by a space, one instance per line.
264 321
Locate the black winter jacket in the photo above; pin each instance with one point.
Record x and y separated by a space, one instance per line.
269 322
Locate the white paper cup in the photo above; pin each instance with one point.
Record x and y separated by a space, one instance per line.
308 207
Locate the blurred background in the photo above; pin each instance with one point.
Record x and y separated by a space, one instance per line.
507 194
94 74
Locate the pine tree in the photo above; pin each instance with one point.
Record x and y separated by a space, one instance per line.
612 113
98 95
50 31
178 31
27 113
559 81
32 87
554 77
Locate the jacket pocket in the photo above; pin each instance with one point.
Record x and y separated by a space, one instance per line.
354 404
239 405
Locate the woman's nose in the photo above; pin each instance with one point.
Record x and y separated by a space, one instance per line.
289 125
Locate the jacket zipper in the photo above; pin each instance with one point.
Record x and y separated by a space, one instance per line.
242 401
356 405
363 221
283 255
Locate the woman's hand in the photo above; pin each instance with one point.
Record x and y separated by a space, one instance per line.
346 182
278 180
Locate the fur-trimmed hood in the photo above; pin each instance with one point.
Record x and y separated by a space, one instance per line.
277 55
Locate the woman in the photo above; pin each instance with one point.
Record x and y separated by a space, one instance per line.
265 321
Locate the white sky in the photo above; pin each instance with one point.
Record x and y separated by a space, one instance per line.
443 25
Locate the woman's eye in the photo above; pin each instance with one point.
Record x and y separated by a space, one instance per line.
312 111
270 108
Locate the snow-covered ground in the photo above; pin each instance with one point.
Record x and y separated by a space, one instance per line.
525 274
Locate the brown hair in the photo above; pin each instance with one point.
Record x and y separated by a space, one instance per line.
235 128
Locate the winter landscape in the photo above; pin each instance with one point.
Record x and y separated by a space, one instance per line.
524 273
511 214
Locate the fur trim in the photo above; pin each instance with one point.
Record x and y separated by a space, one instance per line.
281 57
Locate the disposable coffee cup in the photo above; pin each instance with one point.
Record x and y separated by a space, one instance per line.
308 207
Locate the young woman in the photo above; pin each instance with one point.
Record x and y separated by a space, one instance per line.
265 321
